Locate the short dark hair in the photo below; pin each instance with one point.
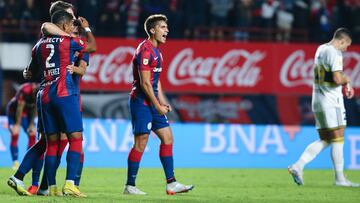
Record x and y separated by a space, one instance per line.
59 5
342 32
152 20
61 17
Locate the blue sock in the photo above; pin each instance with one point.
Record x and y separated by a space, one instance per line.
133 166
31 157
36 170
73 158
51 162
167 161
14 150
79 172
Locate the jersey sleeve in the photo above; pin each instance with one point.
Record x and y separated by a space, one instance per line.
77 44
144 59
335 61
85 57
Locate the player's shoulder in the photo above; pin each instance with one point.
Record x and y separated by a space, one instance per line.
26 88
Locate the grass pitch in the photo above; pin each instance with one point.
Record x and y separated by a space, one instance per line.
211 185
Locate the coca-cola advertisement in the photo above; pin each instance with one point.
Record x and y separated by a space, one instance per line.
216 67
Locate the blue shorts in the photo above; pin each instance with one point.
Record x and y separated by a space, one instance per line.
60 114
145 118
25 121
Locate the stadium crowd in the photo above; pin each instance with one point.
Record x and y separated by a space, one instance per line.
266 20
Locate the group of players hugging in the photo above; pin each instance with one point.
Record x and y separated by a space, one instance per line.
58 61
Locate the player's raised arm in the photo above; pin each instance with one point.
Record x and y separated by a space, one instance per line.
91 42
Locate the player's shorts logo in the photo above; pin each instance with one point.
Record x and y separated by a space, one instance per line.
149 125
145 61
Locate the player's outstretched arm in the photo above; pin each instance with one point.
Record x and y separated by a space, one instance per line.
149 91
91 42
48 28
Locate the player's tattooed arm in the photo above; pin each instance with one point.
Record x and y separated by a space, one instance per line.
48 28
80 70
162 98
91 42
149 91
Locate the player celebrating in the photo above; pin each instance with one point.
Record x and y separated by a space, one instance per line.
81 61
148 107
58 100
328 107
21 111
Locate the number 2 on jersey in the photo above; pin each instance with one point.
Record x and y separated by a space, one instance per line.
52 50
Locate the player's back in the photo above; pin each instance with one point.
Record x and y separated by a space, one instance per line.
327 60
52 55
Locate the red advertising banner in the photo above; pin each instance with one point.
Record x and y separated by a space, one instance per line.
216 67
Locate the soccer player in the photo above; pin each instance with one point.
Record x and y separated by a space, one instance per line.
148 107
81 63
21 111
328 107
58 100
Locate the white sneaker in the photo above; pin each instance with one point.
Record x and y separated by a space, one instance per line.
176 187
42 192
18 186
132 190
346 183
296 174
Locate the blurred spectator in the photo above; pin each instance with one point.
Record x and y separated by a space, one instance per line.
90 10
111 21
268 10
11 19
301 11
132 8
219 11
321 19
284 20
242 15
195 13
199 19
175 18
29 18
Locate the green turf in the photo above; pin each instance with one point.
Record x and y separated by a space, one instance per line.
211 185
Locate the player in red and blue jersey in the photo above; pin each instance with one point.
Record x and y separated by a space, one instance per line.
78 69
148 107
21 111
58 100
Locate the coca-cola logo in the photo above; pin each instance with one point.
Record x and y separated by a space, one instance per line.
235 68
352 67
297 70
114 67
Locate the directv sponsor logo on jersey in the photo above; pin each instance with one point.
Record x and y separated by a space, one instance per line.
52 40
